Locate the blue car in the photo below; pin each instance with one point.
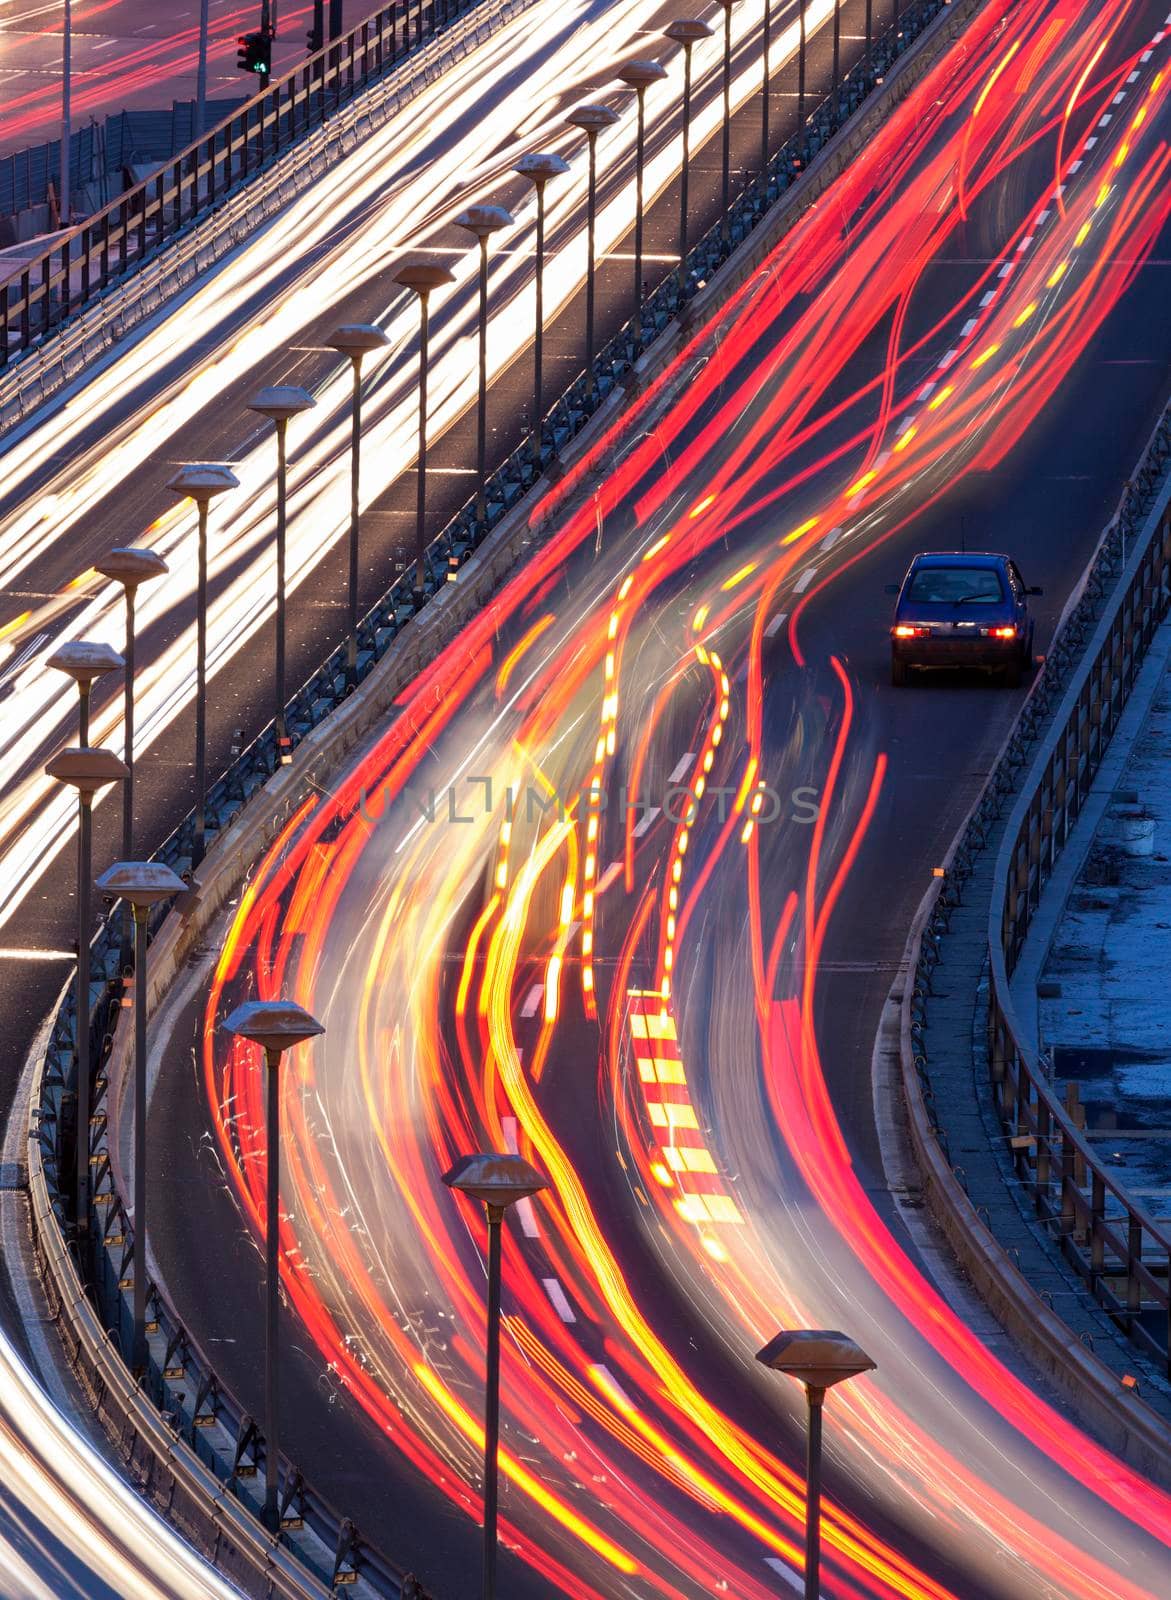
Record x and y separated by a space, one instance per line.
956 609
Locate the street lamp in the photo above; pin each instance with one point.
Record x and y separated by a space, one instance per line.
83 660
591 120
278 403
482 221
275 1025
355 339
141 884
818 1358
497 1181
685 32
640 75
727 151
88 771
421 277
538 168
129 566
201 482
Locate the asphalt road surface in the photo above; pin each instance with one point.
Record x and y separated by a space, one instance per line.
673 1017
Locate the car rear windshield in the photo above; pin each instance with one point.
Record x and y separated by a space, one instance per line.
956 586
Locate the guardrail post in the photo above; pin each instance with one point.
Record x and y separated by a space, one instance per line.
1097 1222
1134 1255
1041 1192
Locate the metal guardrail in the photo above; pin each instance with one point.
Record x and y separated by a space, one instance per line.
1111 1241
181 1380
81 265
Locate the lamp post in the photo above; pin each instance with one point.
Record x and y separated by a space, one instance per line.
591 120
275 1025
869 28
421 277
481 221
766 40
88 771
538 168
801 43
65 206
726 163
685 32
355 339
83 660
129 566
201 482
497 1181
278 404
837 43
141 884
818 1358
639 75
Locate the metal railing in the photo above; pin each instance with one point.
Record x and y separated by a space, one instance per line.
1109 1238
81 265
181 1381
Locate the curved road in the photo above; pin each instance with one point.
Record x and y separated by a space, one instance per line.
671 1010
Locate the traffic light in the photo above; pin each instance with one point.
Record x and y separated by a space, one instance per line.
254 53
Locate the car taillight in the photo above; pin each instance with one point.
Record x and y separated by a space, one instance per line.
905 630
1004 633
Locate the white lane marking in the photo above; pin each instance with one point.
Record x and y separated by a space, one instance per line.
681 767
881 462
1005 270
1091 141
967 327
787 1573
609 1381
988 299
646 821
804 580
532 1000
1104 119
524 1208
1146 56
1076 165
1133 77
560 1304
1043 217
775 625
608 877
1119 98
947 360
1025 243
926 391
833 535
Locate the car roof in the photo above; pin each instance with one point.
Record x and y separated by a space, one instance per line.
966 558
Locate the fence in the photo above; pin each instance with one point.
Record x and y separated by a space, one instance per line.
25 175
1111 1241
80 266
182 1382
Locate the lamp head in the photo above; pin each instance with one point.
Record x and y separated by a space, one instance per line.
592 119
87 770
201 480
281 401
496 1180
540 166
687 31
83 660
817 1357
483 220
130 565
422 276
640 74
357 338
142 883
273 1024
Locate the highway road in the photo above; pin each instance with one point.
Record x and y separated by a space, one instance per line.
88 471
669 1005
